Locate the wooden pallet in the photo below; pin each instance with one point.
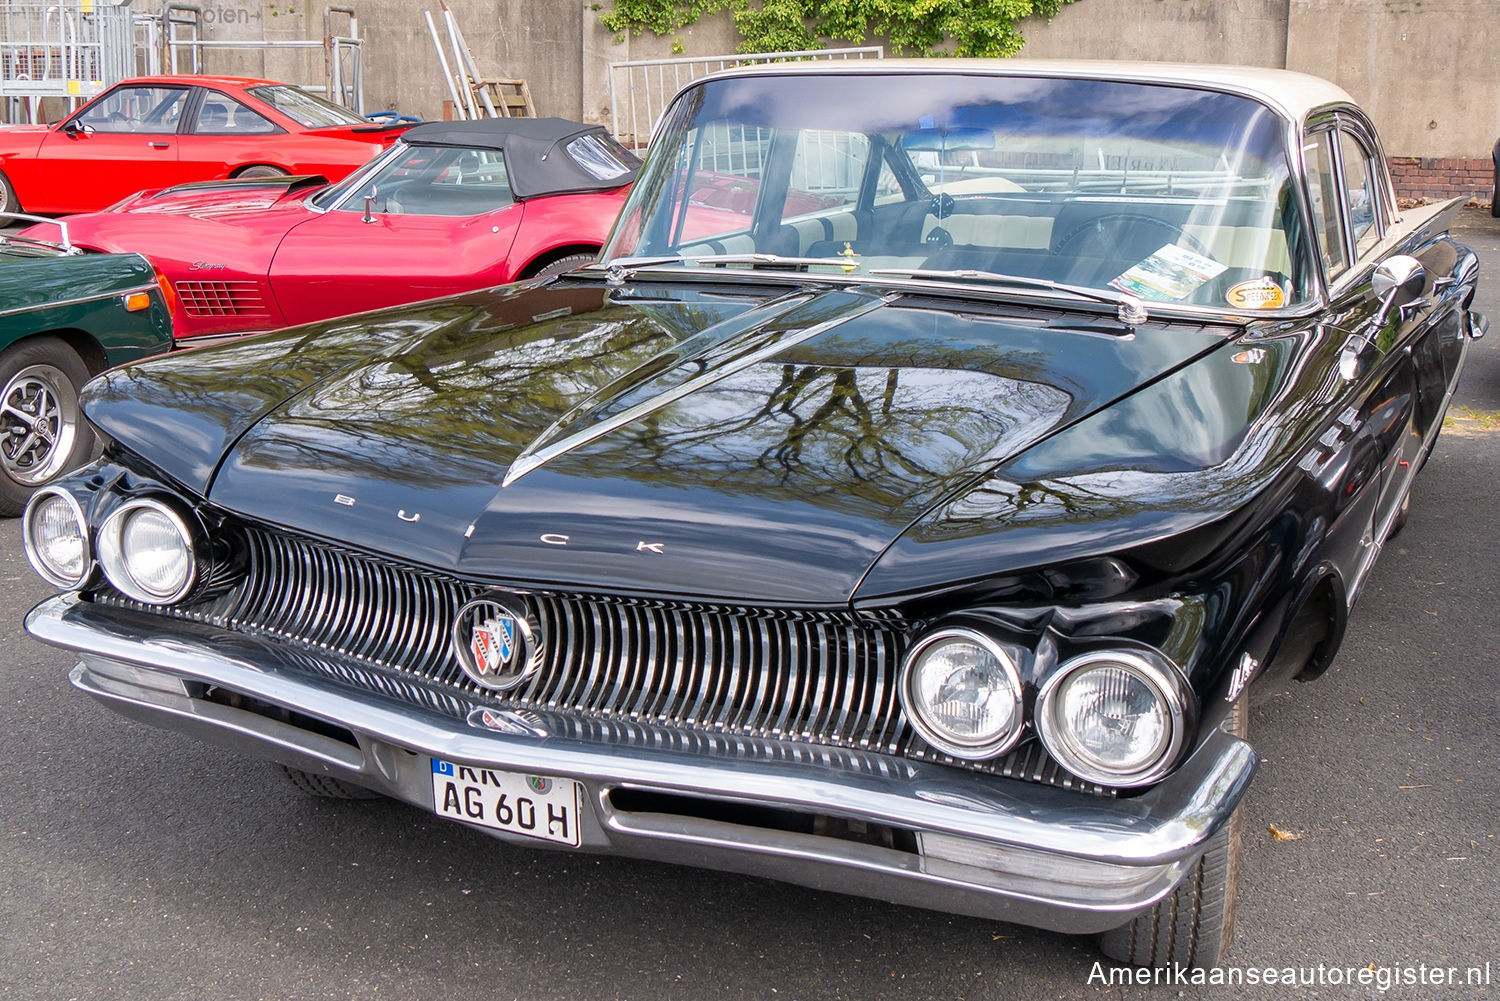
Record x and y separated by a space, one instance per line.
510 96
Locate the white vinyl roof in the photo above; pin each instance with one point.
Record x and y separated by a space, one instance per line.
1293 94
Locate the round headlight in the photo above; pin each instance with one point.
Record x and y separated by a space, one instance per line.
1112 718
146 551
962 693
57 539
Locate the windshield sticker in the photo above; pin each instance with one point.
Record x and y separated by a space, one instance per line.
1172 272
1258 293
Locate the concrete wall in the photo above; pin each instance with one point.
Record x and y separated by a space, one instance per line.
1425 69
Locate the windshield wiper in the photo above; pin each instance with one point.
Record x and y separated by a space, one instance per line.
621 268
1131 310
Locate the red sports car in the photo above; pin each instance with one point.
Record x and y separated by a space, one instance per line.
159 130
452 206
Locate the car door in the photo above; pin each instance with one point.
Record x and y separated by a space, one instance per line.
1389 360
222 133
438 221
121 142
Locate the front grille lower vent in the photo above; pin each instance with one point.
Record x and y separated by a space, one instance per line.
804 677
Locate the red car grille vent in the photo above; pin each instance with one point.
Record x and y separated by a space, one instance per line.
224 298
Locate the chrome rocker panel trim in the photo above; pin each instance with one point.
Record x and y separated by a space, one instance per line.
1077 863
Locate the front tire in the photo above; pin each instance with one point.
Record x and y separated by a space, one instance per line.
42 430
1193 925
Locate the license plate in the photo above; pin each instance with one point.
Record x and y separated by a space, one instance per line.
530 805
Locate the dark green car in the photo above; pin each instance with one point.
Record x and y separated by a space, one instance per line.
65 316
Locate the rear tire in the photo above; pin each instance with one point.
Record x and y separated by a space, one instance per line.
261 170
562 265
1193 925
8 200
42 430
324 786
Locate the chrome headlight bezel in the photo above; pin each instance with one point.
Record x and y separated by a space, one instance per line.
115 564
922 721
28 525
1163 679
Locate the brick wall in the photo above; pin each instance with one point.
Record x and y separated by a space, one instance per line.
1438 179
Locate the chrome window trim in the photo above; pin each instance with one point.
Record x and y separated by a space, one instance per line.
354 180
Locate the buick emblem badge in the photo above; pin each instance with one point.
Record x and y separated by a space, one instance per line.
498 641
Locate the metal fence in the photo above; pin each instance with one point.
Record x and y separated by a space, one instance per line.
639 90
341 45
76 49
70 49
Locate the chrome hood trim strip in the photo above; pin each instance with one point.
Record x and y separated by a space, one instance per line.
717 353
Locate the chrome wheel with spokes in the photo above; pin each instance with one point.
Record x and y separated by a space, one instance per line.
42 432
38 424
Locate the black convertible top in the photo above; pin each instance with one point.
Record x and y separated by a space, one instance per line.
542 156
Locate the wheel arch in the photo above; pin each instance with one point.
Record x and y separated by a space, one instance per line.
239 170
1313 630
81 341
554 254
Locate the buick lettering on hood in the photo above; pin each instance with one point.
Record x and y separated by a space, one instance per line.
904 504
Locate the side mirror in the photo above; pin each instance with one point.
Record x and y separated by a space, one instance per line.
369 215
1398 283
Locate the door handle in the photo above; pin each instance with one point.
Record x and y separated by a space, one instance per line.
154 144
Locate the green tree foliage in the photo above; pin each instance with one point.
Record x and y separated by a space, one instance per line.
925 27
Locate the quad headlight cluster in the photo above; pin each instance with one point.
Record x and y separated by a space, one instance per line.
147 548
1117 718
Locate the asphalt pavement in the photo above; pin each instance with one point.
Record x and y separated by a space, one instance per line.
139 864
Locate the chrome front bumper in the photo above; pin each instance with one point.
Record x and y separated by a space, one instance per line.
984 846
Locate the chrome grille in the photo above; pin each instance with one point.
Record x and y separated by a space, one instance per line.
221 298
647 666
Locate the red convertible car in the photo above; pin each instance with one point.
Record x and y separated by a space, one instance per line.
160 130
451 207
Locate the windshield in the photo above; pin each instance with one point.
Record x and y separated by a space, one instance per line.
1170 194
305 109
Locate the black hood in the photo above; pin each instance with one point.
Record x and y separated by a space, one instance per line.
758 447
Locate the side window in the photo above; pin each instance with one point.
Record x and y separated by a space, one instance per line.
1323 191
1359 192
151 110
436 181
220 114
827 170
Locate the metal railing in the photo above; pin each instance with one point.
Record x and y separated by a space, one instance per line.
69 49
341 45
640 90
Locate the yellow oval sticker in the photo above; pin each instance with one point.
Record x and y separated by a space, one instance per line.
1258 293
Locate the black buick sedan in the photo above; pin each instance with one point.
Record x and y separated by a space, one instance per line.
904 504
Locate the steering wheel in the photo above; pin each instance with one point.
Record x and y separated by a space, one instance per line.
1128 236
